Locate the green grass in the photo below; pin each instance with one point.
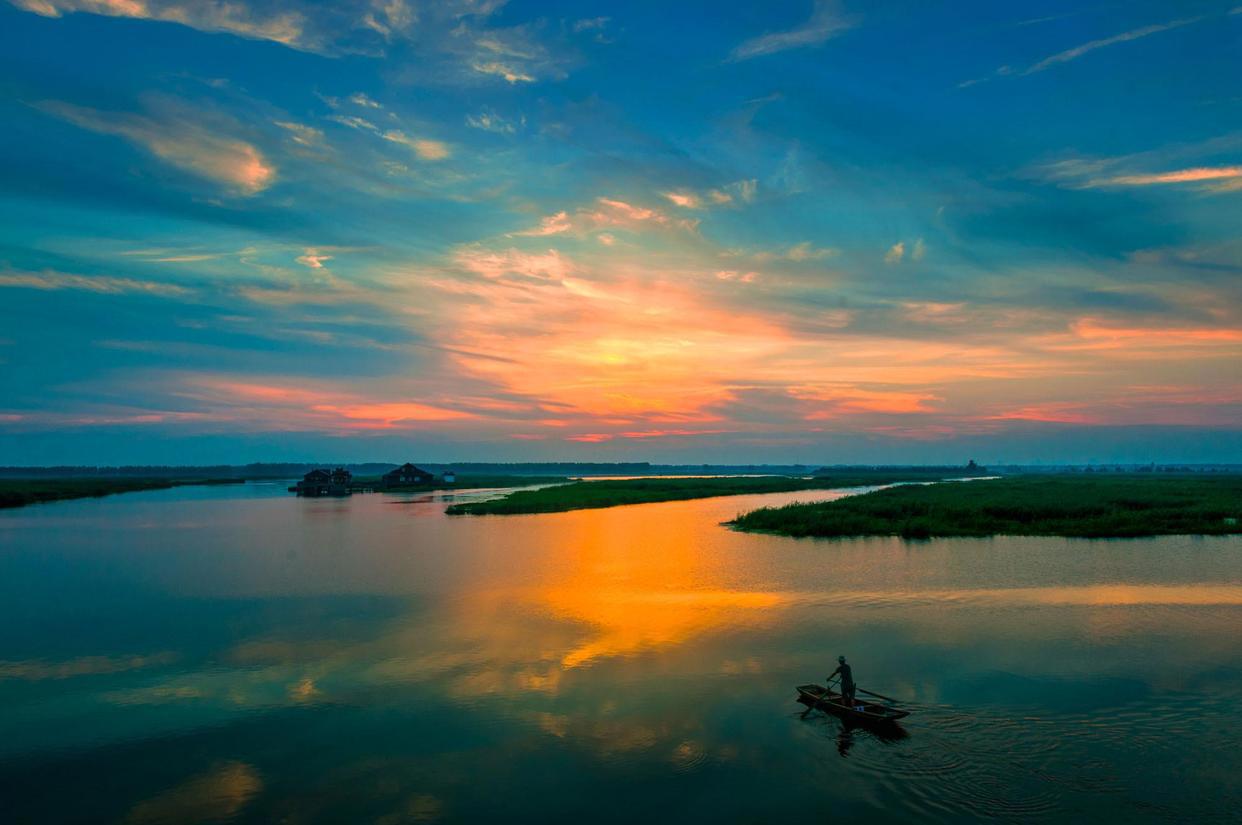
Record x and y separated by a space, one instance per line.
586 495
469 482
18 492
1087 507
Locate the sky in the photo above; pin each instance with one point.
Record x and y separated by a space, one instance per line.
821 232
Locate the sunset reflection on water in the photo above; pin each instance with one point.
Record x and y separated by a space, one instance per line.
241 655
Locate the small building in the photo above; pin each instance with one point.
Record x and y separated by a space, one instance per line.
448 477
407 475
325 483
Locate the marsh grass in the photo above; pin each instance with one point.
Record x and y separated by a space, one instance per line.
585 495
18 492
1063 505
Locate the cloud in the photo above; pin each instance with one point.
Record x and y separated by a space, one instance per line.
742 191
286 27
895 253
313 259
425 149
591 24
174 136
798 253
302 135
50 279
550 225
1125 37
1099 173
806 252
360 99
686 200
825 22
494 264
492 122
1199 174
354 122
609 213
507 71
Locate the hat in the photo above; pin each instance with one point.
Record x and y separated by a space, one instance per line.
841 659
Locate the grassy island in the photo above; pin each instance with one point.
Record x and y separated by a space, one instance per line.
468 482
586 495
1087 506
18 492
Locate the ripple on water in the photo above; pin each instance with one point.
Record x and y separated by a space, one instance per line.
986 764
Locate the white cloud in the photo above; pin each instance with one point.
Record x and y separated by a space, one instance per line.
176 138
287 27
354 122
825 22
550 225
302 135
742 191
425 149
686 200
592 24
806 252
1125 37
313 259
505 70
493 264
49 279
895 253
492 122
360 99
919 251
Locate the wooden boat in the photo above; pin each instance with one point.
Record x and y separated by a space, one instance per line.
817 696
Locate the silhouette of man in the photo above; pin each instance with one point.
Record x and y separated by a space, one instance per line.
847 680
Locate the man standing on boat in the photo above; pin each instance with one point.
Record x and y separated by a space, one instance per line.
847 681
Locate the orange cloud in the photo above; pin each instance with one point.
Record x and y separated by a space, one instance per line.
174 135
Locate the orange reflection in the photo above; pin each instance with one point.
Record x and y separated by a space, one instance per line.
636 590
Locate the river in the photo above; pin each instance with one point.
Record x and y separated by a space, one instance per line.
235 654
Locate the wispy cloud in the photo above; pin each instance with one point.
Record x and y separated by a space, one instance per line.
508 71
1125 37
609 213
172 134
489 121
1200 174
825 22
285 27
1069 55
738 192
1103 173
301 134
49 279
424 148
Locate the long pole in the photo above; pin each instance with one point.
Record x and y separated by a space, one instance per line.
817 702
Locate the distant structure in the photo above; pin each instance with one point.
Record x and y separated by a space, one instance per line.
448 477
407 475
325 483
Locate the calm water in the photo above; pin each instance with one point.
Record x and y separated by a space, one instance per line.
236 654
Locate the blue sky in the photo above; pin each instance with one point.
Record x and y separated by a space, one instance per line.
894 231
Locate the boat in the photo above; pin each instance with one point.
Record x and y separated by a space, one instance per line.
818 696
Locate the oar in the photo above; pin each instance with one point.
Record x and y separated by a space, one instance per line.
817 702
876 695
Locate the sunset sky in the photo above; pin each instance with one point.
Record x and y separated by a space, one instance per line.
893 231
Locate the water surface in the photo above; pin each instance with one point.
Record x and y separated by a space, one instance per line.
237 654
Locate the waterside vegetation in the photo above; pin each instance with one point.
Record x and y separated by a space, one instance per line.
1087 506
18 492
586 495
